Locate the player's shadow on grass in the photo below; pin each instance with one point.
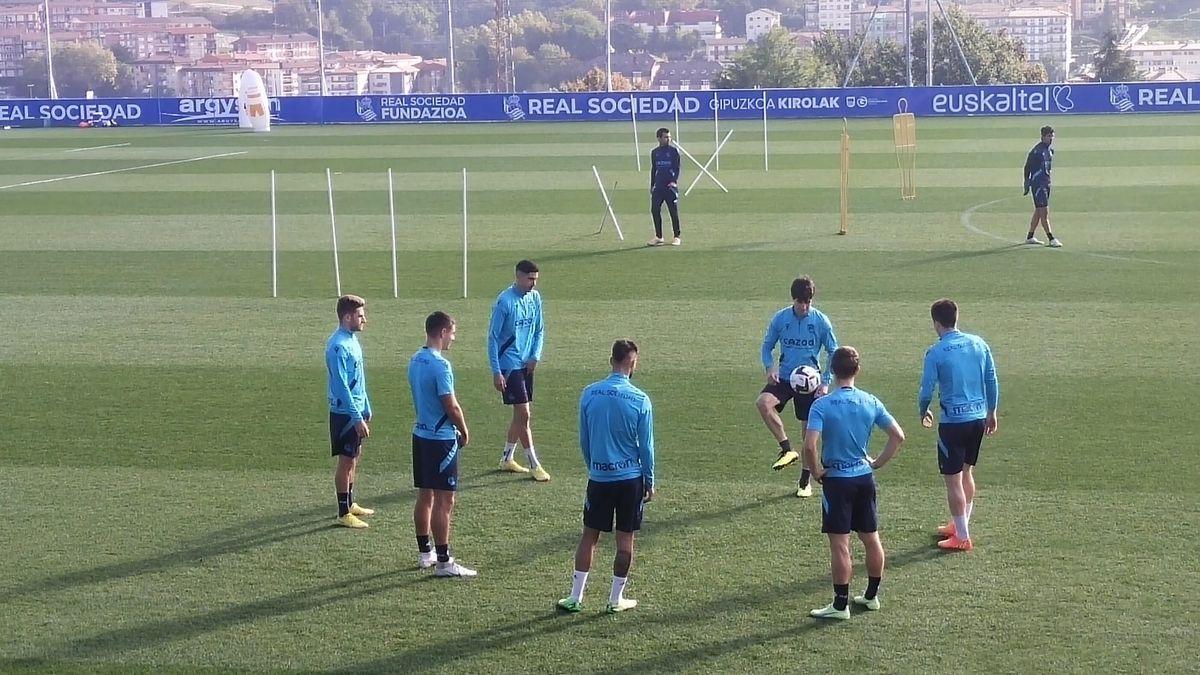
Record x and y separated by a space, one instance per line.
960 255
442 655
261 532
159 633
580 255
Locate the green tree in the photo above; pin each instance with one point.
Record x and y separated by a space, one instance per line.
77 69
774 61
880 65
594 81
995 59
549 65
1112 63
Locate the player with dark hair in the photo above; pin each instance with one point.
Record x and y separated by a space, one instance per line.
514 349
664 186
439 433
1037 178
616 435
801 331
842 423
349 406
962 368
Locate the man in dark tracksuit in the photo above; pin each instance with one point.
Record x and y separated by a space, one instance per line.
664 186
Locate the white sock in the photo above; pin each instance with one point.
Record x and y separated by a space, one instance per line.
618 589
578 581
970 508
960 527
509 449
531 454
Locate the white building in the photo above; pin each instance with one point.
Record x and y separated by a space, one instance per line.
1162 57
760 22
834 15
705 23
1046 33
723 50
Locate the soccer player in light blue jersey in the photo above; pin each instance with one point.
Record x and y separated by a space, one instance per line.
439 434
616 435
801 331
842 423
1037 178
960 365
349 406
514 348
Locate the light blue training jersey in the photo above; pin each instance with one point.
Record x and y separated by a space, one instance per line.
616 430
800 341
961 366
430 377
845 417
347 377
516 330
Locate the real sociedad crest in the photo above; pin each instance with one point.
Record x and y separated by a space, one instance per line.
512 108
1118 96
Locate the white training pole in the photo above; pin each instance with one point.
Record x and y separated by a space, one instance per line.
274 244
717 129
392 214
703 168
766 164
608 204
337 268
637 149
464 232
676 106
716 153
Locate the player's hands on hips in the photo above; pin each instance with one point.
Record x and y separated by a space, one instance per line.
498 382
362 429
990 424
821 391
530 365
927 420
773 375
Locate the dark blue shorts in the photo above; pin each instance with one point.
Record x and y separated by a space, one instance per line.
343 437
849 504
1041 196
621 499
802 403
518 386
958 444
435 464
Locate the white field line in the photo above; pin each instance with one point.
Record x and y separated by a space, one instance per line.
99 147
966 222
124 170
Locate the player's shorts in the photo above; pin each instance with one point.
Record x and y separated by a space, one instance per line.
802 403
621 498
958 444
435 463
518 386
343 437
1041 195
848 504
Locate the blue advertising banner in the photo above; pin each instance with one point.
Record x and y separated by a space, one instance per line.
1041 99
70 112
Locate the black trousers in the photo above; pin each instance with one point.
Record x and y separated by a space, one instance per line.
671 197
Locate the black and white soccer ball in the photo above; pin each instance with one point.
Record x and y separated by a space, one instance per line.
805 380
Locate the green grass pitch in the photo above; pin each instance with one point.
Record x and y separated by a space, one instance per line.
164 464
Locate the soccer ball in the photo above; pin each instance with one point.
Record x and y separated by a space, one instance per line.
805 380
